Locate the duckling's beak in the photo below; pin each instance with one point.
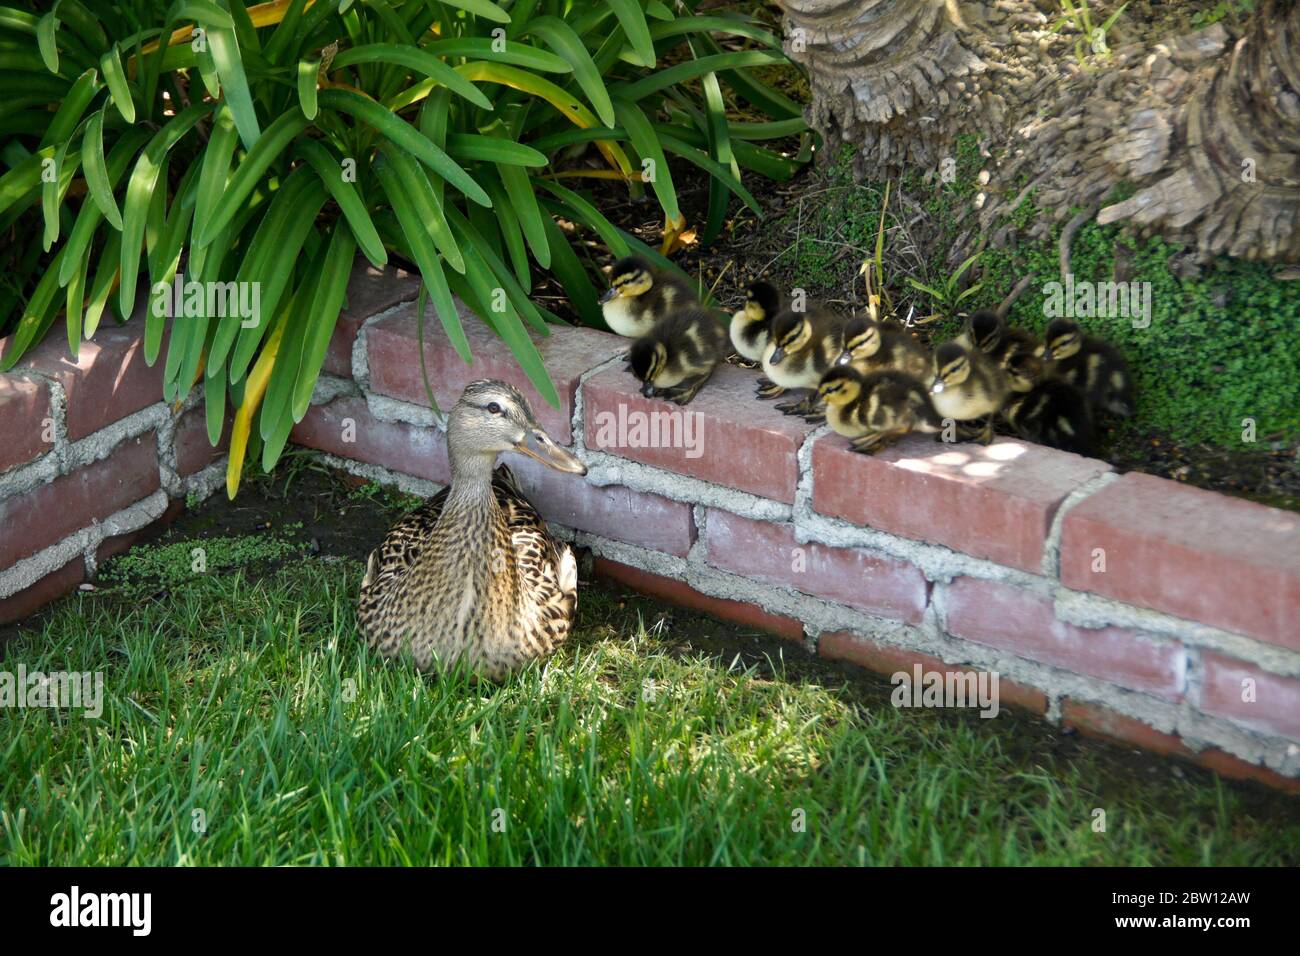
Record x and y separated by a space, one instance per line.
937 387
647 390
845 358
777 356
551 454
610 293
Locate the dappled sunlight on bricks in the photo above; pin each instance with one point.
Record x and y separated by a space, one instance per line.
995 502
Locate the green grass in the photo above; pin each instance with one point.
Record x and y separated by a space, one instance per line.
1219 349
246 695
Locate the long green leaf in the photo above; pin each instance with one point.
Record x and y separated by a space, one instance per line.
329 168
111 66
234 83
258 159
647 144
405 137
561 38
92 161
325 311
632 19
415 59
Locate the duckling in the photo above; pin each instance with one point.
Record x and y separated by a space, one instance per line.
679 354
1046 410
967 386
989 333
1090 364
873 346
474 575
871 409
639 295
801 348
752 321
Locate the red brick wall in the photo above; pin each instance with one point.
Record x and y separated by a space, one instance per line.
1126 607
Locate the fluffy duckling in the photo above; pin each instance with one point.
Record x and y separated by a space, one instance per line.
968 385
872 409
639 295
1046 410
679 354
1090 364
800 350
874 346
752 321
989 333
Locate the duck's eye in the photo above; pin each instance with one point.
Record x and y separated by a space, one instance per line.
494 408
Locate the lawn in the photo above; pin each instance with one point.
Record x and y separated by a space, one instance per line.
244 723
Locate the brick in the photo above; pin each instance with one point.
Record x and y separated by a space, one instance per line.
106 381
409 449
190 442
24 409
995 502
54 585
1226 765
370 291
888 659
1013 619
1105 724
1191 553
767 551
45 515
678 592
1276 705
111 547
660 524
568 352
734 439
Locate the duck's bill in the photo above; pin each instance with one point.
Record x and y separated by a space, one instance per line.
844 359
608 294
936 388
647 390
551 454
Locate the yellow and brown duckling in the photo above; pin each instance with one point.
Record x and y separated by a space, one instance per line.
1090 364
872 409
988 332
968 386
474 575
1045 409
752 322
802 347
874 346
678 354
639 295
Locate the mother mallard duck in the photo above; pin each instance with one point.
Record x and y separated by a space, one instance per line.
474 574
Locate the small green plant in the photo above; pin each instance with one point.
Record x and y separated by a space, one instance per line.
153 568
1232 9
1079 15
947 298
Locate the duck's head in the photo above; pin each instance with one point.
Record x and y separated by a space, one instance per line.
790 332
984 329
646 359
861 339
492 417
951 367
1025 370
630 277
762 302
1062 339
840 385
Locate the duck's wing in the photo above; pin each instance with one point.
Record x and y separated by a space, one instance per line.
548 570
399 549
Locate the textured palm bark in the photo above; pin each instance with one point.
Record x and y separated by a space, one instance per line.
1205 128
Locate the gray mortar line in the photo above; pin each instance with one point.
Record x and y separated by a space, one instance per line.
360 356
1052 548
31 569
